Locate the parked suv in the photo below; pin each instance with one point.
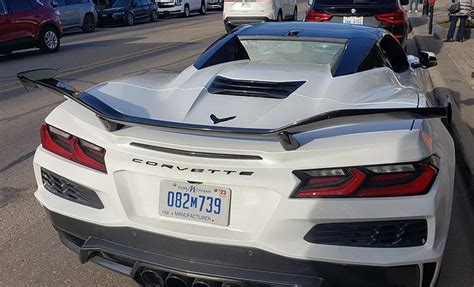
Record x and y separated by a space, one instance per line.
127 12
237 12
387 14
182 7
29 23
77 14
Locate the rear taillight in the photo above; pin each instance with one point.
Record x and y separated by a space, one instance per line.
73 148
312 16
369 181
393 18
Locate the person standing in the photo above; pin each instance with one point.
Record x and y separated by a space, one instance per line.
411 6
465 7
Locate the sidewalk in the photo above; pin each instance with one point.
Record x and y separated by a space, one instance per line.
452 79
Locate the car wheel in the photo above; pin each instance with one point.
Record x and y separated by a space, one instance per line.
130 20
203 9
280 16
295 14
89 24
186 12
49 41
154 16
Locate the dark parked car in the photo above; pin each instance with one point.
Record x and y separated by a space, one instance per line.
387 14
29 23
127 12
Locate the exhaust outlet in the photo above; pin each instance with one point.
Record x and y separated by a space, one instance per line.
152 278
174 280
205 283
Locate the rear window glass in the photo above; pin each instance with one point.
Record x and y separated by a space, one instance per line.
354 2
292 51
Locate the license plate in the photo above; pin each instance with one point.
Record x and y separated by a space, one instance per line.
356 20
195 202
104 15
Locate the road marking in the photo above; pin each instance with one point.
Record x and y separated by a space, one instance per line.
191 29
66 72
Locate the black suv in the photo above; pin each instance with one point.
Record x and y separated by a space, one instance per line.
387 14
127 12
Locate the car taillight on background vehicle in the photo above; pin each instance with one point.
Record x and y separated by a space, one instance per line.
370 181
396 17
312 16
73 148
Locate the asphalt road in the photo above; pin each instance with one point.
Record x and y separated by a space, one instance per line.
31 253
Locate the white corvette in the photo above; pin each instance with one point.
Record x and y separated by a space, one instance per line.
289 154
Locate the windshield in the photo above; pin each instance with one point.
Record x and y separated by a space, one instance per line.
121 3
292 51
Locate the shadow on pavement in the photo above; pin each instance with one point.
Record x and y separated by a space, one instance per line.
22 54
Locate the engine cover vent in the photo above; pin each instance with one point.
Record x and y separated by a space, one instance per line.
259 89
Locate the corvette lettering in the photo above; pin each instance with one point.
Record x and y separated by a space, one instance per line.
194 170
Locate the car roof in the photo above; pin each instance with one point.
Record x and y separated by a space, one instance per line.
308 29
359 41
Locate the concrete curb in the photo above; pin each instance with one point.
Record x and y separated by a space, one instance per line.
460 131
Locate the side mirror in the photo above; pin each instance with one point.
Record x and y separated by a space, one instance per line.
428 59
404 2
310 2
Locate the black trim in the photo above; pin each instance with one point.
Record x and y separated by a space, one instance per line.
197 153
114 119
217 261
429 270
379 234
249 88
70 190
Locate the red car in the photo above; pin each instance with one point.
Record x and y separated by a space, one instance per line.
29 23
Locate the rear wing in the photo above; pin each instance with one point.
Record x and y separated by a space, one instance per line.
114 120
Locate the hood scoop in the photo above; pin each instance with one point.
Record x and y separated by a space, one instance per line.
248 88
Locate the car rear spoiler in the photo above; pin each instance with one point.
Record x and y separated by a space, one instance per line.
114 120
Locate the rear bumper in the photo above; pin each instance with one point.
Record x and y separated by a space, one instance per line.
236 21
127 250
175 9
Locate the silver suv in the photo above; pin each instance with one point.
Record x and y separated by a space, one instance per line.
77 14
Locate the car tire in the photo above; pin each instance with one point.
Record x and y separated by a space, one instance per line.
154 16
49 41
186 12
129 19
203 9
89 24
295 14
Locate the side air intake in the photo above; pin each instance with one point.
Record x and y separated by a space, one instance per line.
259 89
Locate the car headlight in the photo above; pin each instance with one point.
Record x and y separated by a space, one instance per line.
178 2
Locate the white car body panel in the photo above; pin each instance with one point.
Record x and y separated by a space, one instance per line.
262 214
252 11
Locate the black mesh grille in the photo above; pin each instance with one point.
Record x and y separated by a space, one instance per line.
403 233
246 88
69 190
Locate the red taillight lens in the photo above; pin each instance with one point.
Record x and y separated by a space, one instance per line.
393 18
312 16
73 148
371 181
